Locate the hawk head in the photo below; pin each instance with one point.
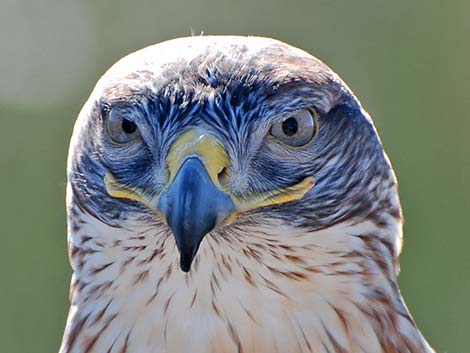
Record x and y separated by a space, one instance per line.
227 180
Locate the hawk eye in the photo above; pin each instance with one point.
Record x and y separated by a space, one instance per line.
296 130
120 129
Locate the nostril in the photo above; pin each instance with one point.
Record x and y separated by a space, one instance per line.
223 177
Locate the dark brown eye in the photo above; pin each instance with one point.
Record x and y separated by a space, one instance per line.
121 129
297 130
128 126
290 126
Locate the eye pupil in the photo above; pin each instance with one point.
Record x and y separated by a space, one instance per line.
295 130
128 126
290 126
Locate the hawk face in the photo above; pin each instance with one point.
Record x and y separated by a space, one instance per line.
230 194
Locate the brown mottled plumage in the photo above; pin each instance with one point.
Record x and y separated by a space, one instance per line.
301 254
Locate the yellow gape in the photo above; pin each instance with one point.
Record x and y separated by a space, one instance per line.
216 161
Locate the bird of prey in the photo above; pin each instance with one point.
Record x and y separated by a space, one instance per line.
230 195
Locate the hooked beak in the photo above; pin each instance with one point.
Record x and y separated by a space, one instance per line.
197 198
193 206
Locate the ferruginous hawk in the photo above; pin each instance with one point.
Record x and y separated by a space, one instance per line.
229 195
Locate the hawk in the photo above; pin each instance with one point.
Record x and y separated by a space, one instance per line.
230 195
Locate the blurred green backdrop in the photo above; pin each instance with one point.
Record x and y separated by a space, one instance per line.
406 60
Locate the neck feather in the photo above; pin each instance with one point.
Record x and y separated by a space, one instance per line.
251 289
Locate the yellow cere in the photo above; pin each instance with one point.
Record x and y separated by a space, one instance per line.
215 159
202 145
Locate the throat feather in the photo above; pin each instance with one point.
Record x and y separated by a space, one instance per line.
250 290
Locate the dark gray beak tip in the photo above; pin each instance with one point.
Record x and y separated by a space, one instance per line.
185 263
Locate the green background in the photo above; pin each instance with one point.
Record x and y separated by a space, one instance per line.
406 60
